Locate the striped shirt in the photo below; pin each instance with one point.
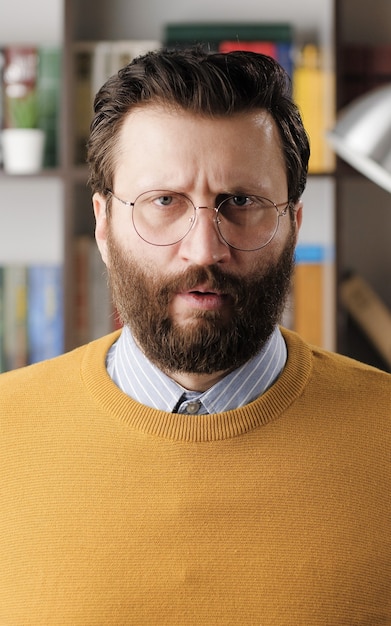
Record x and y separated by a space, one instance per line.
140 379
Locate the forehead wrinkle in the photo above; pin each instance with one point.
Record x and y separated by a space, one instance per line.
206 168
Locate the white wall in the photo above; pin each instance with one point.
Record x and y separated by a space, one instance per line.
144 17
31 221
32 21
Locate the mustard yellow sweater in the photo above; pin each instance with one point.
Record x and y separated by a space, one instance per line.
276 514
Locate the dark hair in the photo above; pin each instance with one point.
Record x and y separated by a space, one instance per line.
208 84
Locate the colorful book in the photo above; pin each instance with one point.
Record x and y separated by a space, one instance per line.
313 91
15 316
312 295
186 34
280 51
48 93
286 56
2 359
83 60
45 322
111 56
94 62
261 47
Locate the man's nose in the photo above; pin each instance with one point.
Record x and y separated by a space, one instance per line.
203 245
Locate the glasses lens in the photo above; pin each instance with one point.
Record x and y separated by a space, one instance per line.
162 218
247 222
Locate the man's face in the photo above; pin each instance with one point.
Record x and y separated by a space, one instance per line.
197 306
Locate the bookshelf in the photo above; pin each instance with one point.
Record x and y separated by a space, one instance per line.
32 207
93 21
334 201
363 213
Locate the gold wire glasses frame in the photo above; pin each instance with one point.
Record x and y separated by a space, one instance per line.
244 222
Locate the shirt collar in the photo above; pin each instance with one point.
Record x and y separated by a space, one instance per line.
140 379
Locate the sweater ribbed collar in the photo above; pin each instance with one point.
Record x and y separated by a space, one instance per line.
196 428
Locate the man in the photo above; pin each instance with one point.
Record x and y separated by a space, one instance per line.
204 466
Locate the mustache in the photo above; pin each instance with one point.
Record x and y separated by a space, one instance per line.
211 276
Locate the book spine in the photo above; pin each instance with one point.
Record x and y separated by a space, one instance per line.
15 316
312 295
280 51
111 56
2 356
83 59
260 47
48 91
313 89
192 33
123 52
94 62
286 56
45 312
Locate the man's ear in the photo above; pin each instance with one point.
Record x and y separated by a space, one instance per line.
298 209
101 226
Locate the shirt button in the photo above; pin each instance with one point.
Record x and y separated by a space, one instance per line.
193 407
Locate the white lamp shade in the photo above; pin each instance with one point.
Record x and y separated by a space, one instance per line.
362 136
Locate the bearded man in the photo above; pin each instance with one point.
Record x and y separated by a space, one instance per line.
203 466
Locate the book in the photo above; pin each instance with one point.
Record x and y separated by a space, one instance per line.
313 89
210 34
369 312
312 295
20 86
2 356
286 56
280 51
261 47
48 93
15 316
83 58
45 322
111 56
94 62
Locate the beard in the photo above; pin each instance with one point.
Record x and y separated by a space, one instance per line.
212 341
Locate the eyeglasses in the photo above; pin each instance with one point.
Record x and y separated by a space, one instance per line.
244 222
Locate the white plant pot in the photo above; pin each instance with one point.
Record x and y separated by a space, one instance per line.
23 150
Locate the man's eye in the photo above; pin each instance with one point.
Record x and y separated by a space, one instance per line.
240 201
164 200
237 202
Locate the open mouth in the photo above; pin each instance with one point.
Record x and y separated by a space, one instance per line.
204 299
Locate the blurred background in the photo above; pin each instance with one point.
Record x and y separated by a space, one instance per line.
54 55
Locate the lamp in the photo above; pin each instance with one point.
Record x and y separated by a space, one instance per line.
362 135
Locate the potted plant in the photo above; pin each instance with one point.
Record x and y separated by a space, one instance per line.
23 141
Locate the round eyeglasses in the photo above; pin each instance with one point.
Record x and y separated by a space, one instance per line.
244 222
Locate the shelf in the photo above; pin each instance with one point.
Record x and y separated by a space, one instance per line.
45 173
